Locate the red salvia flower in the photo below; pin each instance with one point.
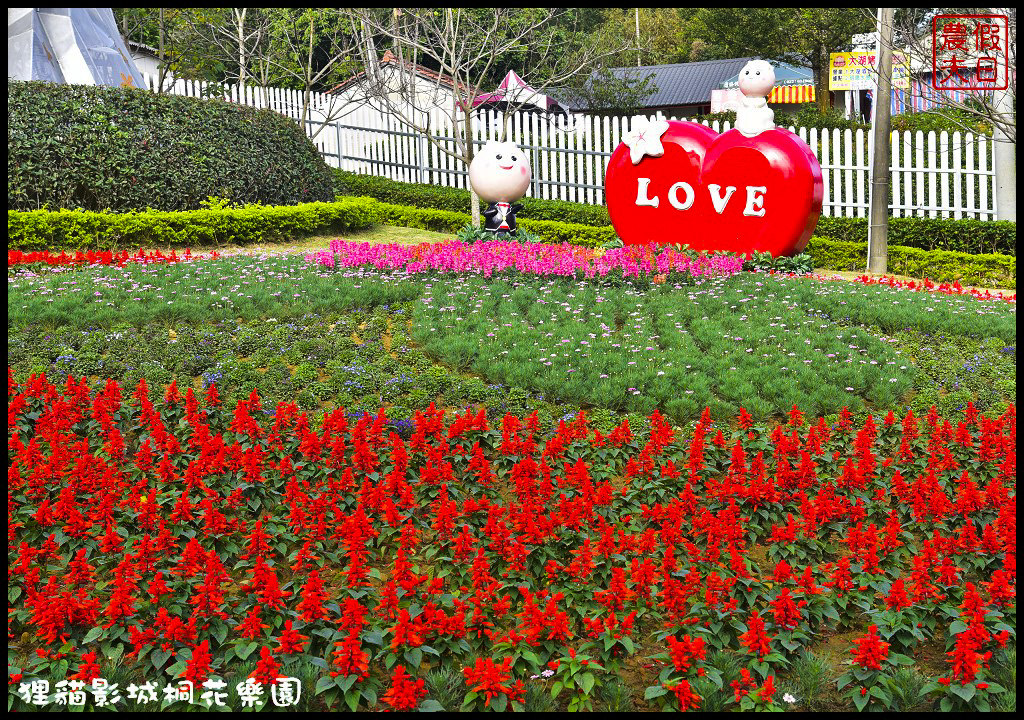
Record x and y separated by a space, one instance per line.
684 652
405 693
267 668
870 650
492 679
755 639
197 669
685 696
88 669
290 640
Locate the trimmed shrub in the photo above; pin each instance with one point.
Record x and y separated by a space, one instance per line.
939 265
104 148
456 200
948 119
72 230
968 236
451 222
79 229
975 237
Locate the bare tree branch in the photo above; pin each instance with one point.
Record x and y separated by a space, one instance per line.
913 39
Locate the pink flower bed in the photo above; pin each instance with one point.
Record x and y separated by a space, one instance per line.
487 258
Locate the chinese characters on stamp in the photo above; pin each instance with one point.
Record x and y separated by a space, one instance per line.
970 52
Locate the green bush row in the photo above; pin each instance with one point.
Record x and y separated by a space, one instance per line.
457 200
989 270
968 236
122 149
71 230
451 222
79 229
975 237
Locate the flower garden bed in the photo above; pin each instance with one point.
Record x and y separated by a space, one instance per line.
500 477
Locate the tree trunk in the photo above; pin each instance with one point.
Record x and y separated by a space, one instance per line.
162 73
821 95
474 199
240 20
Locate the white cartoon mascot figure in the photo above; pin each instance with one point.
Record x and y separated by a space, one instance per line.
753 115
500 175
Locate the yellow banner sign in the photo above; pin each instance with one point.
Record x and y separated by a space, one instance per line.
856 71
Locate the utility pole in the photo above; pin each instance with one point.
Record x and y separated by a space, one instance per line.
1004 160
878 222
1004 151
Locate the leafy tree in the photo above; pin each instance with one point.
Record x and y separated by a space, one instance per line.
666 35
802 36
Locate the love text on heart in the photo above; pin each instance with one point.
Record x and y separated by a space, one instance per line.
754 206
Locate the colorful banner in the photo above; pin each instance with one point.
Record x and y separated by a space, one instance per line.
792 94
731 98
856 71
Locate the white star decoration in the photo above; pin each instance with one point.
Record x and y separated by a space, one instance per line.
644 138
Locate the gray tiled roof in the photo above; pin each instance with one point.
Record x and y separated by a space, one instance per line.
685 83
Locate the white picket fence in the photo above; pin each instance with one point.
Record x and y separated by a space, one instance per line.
947 175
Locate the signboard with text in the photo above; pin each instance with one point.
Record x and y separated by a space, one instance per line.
856 71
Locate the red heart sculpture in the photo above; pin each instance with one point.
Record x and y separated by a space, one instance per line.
717 192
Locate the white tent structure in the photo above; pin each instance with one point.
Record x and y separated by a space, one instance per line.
513 91
76 46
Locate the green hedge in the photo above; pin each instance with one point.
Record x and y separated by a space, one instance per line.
969 236
456 200
975 237
447 221
71 230
79 229
989 270
105 148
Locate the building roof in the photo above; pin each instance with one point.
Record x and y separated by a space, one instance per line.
390 59
684 83
132 45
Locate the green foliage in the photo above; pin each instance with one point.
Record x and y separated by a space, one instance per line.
446 221
632 352
905 687
105 148
809 116
188 293
809 680
456 200
948 119
471 234
446 686
968 236
937 265
765 262
975 237
79 229
956 369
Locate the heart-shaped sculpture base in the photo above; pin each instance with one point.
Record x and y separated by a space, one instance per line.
718 192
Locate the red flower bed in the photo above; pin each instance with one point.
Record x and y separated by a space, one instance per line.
188 538
102 257
954 288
